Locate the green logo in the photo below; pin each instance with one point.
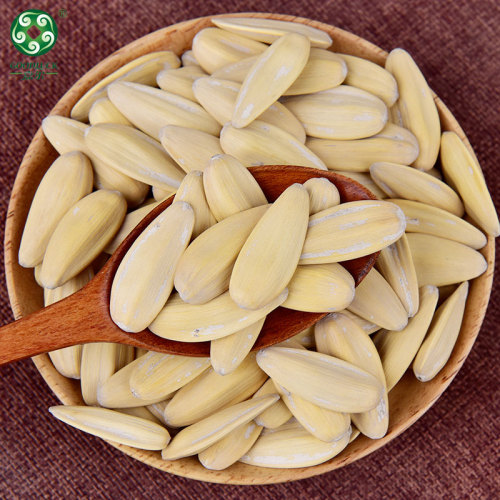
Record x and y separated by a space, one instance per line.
33 32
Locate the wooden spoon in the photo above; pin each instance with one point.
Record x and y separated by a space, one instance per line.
84 316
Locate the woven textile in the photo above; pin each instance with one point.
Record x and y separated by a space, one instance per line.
452 451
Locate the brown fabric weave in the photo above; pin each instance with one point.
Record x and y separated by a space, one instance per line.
451 452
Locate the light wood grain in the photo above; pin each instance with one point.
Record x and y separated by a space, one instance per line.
408 401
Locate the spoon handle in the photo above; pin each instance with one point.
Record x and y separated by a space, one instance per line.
74 320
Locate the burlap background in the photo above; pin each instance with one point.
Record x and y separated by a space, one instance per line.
452 452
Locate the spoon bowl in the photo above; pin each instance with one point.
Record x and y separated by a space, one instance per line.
85 317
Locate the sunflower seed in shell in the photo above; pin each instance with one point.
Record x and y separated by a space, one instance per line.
323 70
269 30
376 301
442 335
227 353
424 218
417 106
460 167
104 111
188 59
235 72
81 235
107 177
141 70
395 263
398 348
114 426
337 335
160 194
67 360
205 268
395 115
323 424
269 257
145 277
221 316
65 135
206 432
179 141
158 410
323 194
129 222
442 262
214 48
180 81
141 412
211 392
291 446
392 144
134 154
230 448
51 296
125 354
67 180
273 72
400 181
343 113
230 188
97 366
366 181
367 326
115 392
320 288
151 109
321 379
160 374
333 337
218 97
371 77
351 230
305 338
191 191
264 144
292 343
277 414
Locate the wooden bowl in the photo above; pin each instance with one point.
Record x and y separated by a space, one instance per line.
408 401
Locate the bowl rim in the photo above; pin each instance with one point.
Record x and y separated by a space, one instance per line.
40 150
